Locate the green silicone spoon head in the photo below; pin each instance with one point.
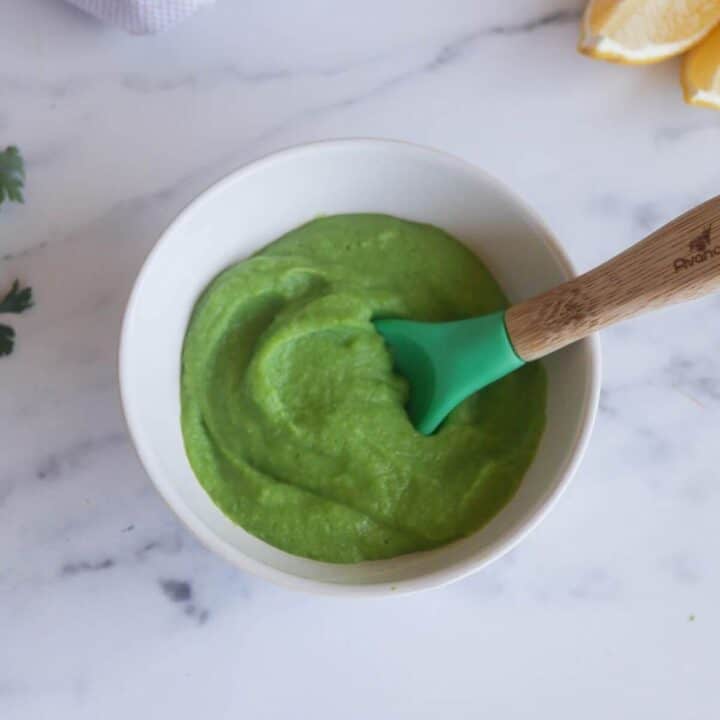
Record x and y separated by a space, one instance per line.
446 362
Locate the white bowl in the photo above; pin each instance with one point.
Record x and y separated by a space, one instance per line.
255 205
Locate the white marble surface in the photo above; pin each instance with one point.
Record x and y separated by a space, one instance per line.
109 608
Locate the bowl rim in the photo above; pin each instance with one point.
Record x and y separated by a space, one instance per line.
433 579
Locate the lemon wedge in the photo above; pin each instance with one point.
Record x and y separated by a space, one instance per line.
701 72
645 31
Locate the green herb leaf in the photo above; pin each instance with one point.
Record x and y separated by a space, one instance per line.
12 175
7 340
16 301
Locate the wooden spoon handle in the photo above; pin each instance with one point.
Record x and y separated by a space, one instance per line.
680 261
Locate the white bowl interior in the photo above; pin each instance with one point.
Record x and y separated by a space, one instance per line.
254 206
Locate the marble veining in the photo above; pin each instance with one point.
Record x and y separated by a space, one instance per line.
109 607
86 566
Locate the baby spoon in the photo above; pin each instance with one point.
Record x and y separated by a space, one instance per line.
446 362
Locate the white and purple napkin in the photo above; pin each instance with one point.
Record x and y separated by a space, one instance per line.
141 17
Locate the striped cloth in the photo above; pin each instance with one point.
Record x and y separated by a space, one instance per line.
141 17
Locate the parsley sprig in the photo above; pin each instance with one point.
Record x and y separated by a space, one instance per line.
12 175
7 339
17 300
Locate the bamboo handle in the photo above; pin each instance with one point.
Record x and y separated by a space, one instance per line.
680 261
